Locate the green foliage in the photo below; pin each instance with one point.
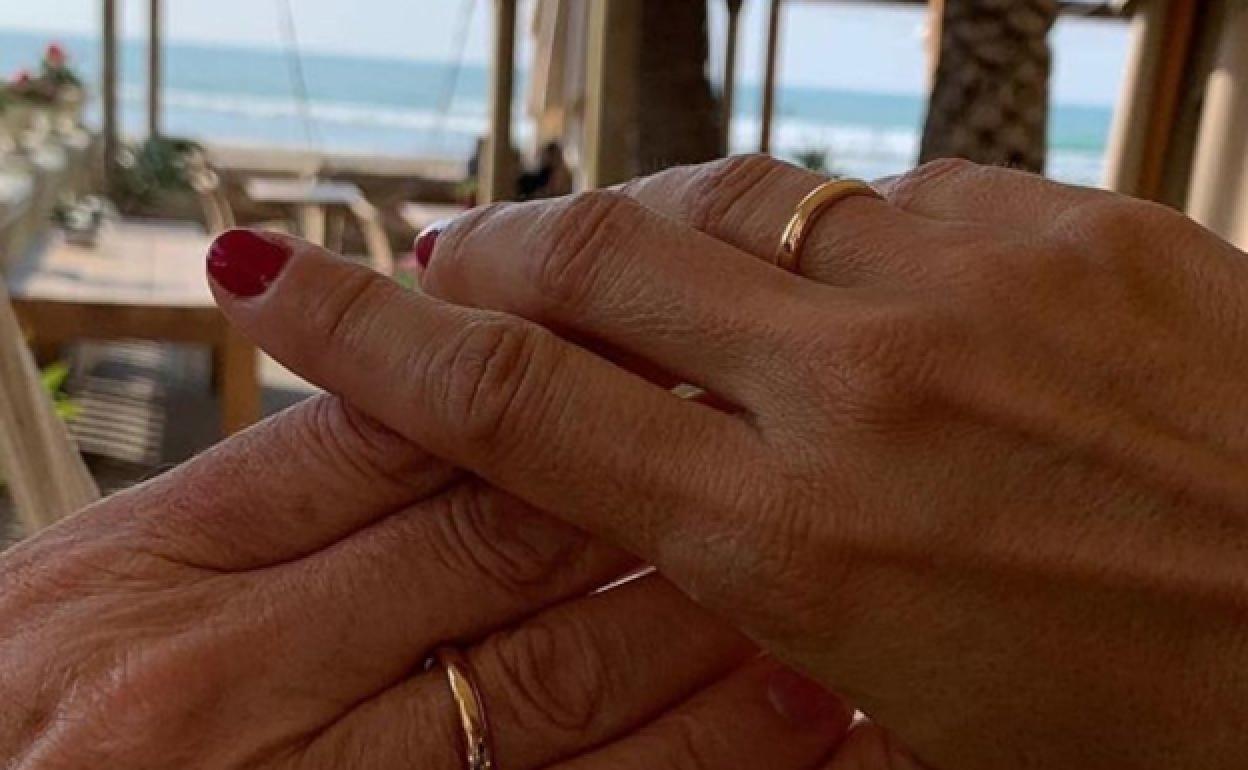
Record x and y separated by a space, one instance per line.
152 168
56 69
61 76
814 159
818 160
38 91
53 381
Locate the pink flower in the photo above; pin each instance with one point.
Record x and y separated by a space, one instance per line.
21 78
55 55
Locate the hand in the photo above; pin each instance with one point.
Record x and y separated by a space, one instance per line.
986 470
270 604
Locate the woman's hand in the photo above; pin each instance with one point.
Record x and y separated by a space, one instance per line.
270 605
987 467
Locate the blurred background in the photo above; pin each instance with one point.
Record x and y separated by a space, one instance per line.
133 131
410 79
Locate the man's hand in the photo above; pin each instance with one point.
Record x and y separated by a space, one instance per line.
271 604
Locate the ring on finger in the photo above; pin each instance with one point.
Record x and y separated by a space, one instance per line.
817 201
478 753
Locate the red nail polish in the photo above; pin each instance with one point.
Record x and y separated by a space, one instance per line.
246 263
807 704
425 242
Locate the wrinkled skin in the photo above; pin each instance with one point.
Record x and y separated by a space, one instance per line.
982 468
269 606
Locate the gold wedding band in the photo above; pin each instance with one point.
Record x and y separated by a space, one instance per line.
815 203
478 754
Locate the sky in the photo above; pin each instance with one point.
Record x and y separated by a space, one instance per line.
836 45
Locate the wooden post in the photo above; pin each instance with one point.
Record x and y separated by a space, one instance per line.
730 71
498 177
935 28
612 97
238 387
769 77
1219 181
1140 147
108 88
154 55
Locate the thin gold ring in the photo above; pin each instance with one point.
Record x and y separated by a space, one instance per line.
478 754
819 200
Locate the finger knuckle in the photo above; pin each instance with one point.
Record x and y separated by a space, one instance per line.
485 537
352 445
486 378
723 186
551 675
1121 222
453 255
580 239
927 178
347 312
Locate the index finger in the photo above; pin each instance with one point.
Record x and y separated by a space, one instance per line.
558 426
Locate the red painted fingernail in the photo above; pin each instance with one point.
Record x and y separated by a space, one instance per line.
807 704
246 263
425 242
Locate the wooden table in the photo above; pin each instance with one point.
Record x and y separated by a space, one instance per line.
420 215
310 198
313 200
143 280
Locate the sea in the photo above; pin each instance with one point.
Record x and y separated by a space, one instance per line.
404 107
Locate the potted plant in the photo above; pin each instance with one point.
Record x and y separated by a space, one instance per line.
66 85
6 103
153 179
34 98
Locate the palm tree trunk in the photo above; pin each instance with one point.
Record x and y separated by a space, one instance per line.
679 115
990 95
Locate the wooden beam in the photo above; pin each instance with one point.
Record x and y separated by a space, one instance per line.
155 46
498 175
728 96
1179 24
108 88
769 77
611 95
1113 9
935 29
1219 180
1158 68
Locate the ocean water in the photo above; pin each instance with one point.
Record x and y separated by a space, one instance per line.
404 107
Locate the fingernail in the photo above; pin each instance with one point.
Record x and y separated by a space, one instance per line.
425 242
246 263
806 704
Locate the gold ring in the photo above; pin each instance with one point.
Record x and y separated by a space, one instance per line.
478 754
815 203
